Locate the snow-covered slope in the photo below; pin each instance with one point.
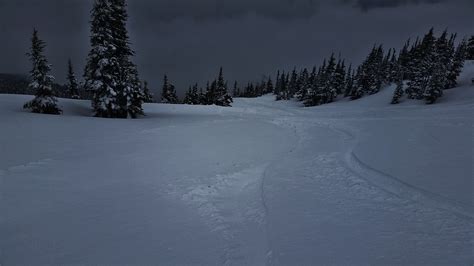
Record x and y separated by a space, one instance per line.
264 182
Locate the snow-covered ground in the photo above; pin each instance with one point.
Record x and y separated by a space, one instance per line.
263 182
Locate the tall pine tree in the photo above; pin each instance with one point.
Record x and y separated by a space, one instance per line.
443 54
221 96
470 49
72 85
147 95
424 57
168 94
110 74
457 65
41 81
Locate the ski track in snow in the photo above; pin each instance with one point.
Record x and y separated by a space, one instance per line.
29 166
228 206
346 174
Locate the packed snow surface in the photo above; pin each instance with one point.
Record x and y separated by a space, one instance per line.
263 182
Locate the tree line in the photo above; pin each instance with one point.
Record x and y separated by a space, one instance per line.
421 70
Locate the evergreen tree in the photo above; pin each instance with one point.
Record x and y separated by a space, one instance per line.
110 73
398 94
340 77
304 85
456 66
443 54
269 86
329 89
421 70
41 80
277 89
293 85
403 59
206 96
147 95
202 96
414 58
72 85
235 92
376 71
188 99
349 83
358 84
168 94
394 68
385 71
195 95
282 91
370 75
399 90
221 97
470 49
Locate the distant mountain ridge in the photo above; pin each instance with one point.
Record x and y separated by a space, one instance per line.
14 84
18 84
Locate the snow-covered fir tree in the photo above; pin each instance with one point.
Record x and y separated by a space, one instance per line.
360 81
316 90
221 96
375 71
339 77
303 85
204 95
470 49
110 74
41 81
168 94
443 54
147 95
424 57
269 86
235 90
293 85
349 82
393 68
197 94
276 90
399 91
193 96
188 97
404 58
282 93
457 65
329 88
72 85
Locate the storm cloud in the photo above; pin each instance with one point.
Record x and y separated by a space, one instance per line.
190 39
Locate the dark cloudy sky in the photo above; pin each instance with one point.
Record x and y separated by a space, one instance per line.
190 39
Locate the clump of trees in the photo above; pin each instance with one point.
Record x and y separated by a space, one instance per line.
432 65
216 93
168 94
421 71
